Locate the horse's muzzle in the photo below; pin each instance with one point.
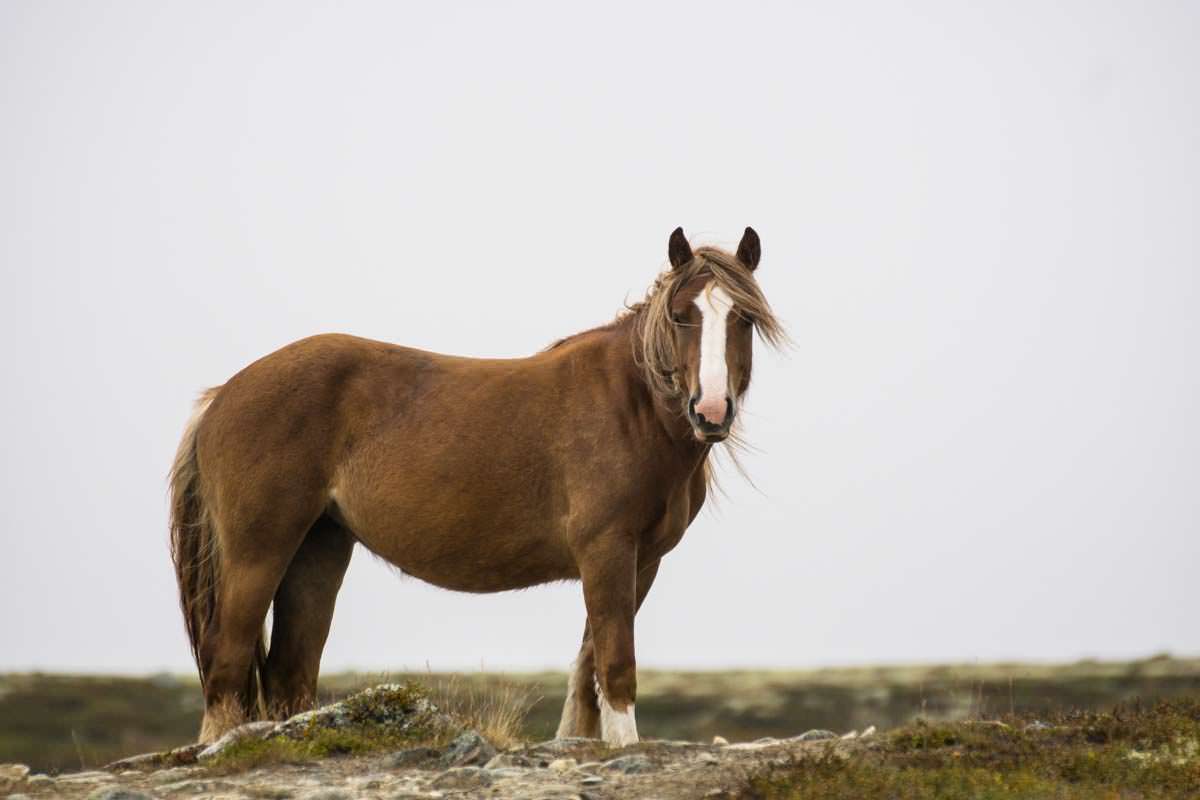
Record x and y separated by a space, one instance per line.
710 432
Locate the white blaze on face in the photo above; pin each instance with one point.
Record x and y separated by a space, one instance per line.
714 304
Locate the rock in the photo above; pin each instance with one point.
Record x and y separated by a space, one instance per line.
413 756
1038 725
629 765
396 706
329 794
85 777
816 735
118 793
720 740
197 786
12 774
757 744
18 796
157 761
174 774
182 756
144 761
268 792
592 780
505 760
469 749
565 744
548 791
462 778
39 779
563 764
706 758
850 735
870 731
251 730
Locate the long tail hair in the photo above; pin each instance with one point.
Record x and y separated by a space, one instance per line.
197 555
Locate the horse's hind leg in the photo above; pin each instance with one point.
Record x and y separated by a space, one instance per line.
254 552
301 617
230 650
581 711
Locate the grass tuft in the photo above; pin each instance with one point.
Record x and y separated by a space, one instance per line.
496 710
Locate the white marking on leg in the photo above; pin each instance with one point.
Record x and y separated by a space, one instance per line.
569 724
617 728
714 304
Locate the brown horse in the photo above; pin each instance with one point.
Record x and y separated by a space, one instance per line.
586 461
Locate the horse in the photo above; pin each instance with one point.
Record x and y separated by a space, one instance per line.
586 461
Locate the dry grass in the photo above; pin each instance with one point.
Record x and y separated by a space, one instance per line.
496 710
496 707
224 716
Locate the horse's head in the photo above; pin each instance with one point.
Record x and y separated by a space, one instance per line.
714 305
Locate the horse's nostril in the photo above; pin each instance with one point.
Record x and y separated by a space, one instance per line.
711 414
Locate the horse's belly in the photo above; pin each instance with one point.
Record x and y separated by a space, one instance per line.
457 544
472 561
463 504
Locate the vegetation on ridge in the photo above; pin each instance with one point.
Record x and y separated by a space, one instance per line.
1133 752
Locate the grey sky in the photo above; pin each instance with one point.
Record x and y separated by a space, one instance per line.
978 220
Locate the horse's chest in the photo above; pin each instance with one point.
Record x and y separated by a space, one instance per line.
662 537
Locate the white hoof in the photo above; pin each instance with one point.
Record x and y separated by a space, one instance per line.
617 728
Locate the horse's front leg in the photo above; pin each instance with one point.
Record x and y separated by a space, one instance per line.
609 574
581 710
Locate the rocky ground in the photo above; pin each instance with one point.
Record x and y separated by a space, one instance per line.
391 741
554 769
260 760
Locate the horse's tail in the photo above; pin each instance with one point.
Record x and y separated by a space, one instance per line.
196 552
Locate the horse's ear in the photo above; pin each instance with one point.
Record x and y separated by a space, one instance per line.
678 249
750 250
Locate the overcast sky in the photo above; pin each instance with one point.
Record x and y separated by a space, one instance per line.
979 221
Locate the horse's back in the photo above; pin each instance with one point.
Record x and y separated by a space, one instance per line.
286 416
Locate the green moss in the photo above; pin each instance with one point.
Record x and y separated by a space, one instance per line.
387 717
1129 753
319 743
382 702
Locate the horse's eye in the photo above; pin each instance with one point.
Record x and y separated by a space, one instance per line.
677 319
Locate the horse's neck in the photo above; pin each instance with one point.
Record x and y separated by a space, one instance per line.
671 424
